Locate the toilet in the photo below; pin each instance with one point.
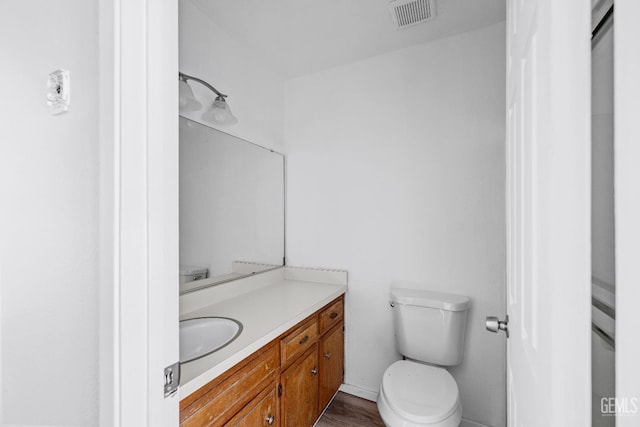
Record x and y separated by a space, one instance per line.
189 273
429 332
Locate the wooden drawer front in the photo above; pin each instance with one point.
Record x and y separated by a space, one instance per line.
220 403
261 411
331 315
299 340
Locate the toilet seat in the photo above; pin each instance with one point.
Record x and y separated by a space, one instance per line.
421 394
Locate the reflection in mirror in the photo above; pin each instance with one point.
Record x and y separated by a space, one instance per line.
231 207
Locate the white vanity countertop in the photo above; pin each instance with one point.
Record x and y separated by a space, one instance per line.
265 313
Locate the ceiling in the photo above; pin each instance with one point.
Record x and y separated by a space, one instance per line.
299 37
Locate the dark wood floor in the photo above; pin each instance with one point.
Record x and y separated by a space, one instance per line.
350 411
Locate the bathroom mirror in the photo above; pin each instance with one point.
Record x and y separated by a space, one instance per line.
231 207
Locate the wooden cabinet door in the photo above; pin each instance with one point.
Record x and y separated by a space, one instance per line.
300 391
261 411
331 359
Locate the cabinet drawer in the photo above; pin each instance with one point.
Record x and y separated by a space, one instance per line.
261 411
297 341
331 315
221 402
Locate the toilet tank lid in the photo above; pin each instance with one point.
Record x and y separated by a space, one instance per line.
422 298
189 270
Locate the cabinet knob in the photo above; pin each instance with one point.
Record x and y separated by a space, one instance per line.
270 419
304 340
327 355
314 371
334 315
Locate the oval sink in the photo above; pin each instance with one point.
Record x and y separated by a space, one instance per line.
204 335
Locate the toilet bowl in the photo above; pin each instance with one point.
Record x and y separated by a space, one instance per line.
413 395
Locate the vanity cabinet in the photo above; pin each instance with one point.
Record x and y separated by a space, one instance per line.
287 383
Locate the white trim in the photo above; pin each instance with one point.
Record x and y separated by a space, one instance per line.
133 231
359 392
109 156
138 210
627 202
162 198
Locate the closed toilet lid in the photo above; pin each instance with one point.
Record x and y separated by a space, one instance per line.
420 393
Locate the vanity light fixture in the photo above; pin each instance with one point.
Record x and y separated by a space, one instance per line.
219 112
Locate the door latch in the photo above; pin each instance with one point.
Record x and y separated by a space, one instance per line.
493 324
171 379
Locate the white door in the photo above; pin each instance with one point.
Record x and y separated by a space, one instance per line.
548 213
139 211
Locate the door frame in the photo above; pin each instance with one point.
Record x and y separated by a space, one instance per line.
138 98
627 204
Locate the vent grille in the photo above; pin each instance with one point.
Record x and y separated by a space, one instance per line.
406 13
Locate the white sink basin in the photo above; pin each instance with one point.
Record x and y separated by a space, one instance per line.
204 335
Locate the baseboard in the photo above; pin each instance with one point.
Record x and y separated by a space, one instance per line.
359 392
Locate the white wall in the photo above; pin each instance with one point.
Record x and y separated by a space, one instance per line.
396 172
49 216
255 90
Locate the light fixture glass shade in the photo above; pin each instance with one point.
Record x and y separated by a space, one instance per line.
220 113
187 100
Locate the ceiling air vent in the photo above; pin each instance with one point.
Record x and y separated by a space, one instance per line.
406 13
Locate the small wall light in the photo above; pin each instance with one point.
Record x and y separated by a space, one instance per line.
218 113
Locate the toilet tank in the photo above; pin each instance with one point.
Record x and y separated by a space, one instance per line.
190 273
430 326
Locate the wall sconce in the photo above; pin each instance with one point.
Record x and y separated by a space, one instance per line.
219 112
